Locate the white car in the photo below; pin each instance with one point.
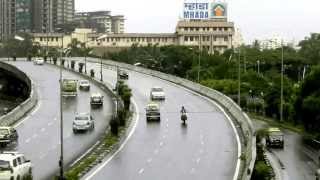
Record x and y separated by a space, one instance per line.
157 93
83 122
153 112
39 61
84 84
14 165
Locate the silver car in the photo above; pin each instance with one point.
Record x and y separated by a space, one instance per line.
83 122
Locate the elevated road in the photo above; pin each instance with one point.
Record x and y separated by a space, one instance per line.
39 137
204 149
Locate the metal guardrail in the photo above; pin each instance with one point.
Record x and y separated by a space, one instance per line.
17 113
248 154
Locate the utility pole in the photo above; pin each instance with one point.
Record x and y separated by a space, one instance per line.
239 79
61 103
199 60
281 98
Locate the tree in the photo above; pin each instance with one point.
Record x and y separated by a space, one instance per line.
307 104
310 48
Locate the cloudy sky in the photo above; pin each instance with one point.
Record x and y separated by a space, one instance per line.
257 19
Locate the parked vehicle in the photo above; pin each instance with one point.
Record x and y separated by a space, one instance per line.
83 122
275 138
153 112
7 135
96 99
69 87
157 93
14 166
84 85
38 61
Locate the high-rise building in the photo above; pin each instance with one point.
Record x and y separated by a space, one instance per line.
63 12
101 21
15 17
42 16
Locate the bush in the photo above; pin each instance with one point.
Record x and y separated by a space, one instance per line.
122 115
261 171
114 124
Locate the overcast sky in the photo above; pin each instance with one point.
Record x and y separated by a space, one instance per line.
257 19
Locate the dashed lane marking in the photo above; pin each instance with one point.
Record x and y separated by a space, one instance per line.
28 140
149 160
141 171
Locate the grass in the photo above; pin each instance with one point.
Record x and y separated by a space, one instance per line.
284 125
109 140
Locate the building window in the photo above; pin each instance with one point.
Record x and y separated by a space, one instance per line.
57 39
186 38
40 38
197 29
191 29
185 29
226 38
191 38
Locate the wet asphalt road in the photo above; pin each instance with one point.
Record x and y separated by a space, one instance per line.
39 137
204 149
297 164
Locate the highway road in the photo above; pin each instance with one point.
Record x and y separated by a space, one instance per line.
204 149
294 157
39 132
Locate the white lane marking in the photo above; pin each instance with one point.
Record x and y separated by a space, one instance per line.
27 140
84 154
122 145
141 171
149 160
50 124
32 112
43 129
35 136
202 143
198 160
192 171
229 120
42 156
164 136
201 151
167 125
156 151
167 120
161 144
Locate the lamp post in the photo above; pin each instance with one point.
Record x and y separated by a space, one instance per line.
199 59
99 38
239 77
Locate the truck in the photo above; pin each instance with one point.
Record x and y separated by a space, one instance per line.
275 138
69 87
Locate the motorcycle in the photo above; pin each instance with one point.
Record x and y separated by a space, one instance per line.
184 117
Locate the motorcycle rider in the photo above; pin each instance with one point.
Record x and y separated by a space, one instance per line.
183 110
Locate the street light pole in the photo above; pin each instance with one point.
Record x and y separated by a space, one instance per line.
101 79
199 60
281 98
239 77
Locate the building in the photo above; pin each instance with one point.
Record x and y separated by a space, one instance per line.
37 16
205 26
15 17
274 42
62 12
100 21
42 16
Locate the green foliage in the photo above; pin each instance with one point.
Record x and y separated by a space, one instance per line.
308 101
310 49
261 171
12 47
226 86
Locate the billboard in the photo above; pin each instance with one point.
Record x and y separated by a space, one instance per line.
196 9
204 9
218 10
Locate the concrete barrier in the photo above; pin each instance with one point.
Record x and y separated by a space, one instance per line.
20 111
248 154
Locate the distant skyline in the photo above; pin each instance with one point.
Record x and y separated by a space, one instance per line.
257 19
